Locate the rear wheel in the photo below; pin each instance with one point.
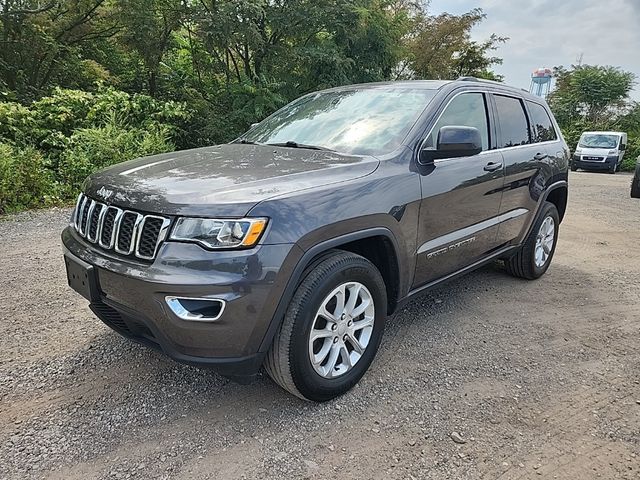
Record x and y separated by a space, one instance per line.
534 257
573 168
331 330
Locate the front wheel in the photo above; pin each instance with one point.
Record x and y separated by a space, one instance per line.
534 257
331 330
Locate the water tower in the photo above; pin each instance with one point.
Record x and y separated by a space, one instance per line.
541 81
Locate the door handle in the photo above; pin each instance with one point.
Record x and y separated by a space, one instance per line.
540 156
492 166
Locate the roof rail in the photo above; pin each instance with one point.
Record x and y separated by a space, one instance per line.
484 80
476 79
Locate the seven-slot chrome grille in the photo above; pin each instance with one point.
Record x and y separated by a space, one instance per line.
125 231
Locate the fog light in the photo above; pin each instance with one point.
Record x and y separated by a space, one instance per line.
196 309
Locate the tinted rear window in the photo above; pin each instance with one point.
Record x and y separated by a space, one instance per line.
514 127
543 130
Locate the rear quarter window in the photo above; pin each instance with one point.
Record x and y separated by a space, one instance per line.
543 129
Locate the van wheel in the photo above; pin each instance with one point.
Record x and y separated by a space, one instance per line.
331 330
574 168
534 257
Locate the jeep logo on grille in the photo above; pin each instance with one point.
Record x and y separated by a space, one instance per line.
104 193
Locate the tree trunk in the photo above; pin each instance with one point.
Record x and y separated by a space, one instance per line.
152 83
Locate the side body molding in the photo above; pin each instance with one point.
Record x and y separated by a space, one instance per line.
458 235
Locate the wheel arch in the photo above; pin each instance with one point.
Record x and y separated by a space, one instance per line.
378 245
559 195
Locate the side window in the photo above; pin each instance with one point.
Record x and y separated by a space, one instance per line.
543 130
513 122
465 110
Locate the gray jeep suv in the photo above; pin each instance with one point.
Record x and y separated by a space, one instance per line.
289 247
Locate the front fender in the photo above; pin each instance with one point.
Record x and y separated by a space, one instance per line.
309 257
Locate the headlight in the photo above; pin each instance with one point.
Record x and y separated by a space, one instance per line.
222 233
612 152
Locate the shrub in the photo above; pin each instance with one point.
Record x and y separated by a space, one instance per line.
138 111
632 153
92 149
25 181
16 121
49 147
48 123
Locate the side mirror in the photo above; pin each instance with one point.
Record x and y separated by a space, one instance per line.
254 124
623 147
454 142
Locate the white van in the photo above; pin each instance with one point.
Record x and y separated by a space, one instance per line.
600 151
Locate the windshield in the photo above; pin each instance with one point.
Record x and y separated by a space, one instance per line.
370 121
598 140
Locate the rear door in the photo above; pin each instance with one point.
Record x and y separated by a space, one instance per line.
460 196
524 144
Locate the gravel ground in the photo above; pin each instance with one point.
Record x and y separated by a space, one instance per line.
484 377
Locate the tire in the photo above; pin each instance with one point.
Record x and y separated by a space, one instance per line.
613 169
574 168
523 264
289 361
635 184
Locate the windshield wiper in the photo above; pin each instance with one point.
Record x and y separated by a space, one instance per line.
292 144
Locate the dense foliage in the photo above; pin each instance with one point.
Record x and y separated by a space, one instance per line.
48 147
88 83
593 98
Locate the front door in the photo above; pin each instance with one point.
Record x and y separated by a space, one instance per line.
460 196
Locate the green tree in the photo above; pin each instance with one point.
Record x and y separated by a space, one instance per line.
41 44
147 27
592 94
442 47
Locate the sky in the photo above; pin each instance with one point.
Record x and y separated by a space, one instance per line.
548 33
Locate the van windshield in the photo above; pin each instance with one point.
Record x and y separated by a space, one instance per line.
369 121
598 140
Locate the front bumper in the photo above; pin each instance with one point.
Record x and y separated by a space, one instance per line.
606 164
130 298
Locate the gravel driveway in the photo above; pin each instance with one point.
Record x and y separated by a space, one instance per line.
537 379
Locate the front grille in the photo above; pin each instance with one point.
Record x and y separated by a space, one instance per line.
125 231
84 213
92 234
108 227
149 233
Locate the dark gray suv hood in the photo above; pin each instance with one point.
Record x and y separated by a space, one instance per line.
225 180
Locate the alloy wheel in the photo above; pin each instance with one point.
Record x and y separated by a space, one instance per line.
341 329
544 241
